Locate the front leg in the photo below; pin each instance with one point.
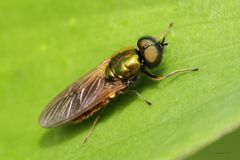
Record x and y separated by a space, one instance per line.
158 78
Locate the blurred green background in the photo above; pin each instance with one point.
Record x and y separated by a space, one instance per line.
46 45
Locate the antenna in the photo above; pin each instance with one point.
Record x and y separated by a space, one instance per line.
163 34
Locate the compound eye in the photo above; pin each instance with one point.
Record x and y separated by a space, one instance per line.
152 56
144 42
151 51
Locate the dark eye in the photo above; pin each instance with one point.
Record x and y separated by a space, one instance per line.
144 42
151 51
152 56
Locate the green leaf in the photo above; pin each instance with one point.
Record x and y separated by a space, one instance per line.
46 45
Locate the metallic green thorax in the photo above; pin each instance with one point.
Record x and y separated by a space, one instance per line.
124 65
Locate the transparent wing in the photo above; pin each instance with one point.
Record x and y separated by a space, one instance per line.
81 96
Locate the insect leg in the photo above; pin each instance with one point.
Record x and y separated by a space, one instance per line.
139 95
158 78
91 129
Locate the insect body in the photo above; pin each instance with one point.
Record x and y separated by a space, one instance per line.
96 89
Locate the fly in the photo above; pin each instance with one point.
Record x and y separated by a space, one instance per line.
95 90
